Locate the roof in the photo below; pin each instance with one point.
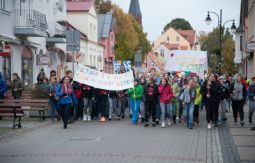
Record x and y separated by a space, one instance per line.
82 5
189 35
155 60
134 9
171 46
71 27
105 24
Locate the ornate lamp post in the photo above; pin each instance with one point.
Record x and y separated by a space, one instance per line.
232 29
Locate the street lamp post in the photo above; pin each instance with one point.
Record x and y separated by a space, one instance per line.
233 30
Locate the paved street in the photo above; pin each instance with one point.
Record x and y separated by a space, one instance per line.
121 142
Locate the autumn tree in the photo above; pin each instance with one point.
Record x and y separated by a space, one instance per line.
178 23
210 43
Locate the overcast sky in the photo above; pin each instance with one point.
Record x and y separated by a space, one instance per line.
157 13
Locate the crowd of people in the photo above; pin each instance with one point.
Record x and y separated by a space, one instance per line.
166 99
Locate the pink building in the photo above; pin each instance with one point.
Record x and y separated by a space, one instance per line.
106 36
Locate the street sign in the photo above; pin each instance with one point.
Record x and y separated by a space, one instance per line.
73 41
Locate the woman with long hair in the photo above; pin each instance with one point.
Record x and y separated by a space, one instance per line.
166 95
67 97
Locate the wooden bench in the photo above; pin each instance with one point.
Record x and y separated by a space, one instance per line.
15 108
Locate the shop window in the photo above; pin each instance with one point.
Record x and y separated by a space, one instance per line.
6 67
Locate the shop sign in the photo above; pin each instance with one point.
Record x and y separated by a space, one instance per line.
5 49
250 46
44 59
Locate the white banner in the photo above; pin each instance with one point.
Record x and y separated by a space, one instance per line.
104 81
184 60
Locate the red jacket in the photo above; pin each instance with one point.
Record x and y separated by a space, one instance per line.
166 93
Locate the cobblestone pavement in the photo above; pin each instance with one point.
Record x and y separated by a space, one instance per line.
115 141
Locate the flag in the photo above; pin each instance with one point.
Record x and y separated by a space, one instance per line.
127 66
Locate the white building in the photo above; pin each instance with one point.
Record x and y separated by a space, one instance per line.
33 27
82 15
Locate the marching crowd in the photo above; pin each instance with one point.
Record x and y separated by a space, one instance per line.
166 99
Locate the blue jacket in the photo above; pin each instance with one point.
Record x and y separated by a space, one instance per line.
3 85
70 99
251 92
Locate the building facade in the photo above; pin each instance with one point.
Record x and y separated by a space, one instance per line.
36 36
82 15
106 35
245 41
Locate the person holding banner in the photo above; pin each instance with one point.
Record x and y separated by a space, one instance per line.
136 95
66 94
88 94
102 96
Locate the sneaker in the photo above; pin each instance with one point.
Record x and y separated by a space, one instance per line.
84 117
253 128
169 123
89 118
146 124
209 126
153 124
163 125
140 116
157 121
102 119
242 123
250 120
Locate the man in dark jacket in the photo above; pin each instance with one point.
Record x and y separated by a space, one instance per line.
251 96
17 86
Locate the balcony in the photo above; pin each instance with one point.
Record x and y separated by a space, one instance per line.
30 23
57 34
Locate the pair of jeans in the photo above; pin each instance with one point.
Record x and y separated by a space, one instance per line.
78 109
135 106
113 107
142 109
189 107
121 106
222 110
87 110
175 108
166 111
65 109
251 109
53 108
150 110
102 106
237 106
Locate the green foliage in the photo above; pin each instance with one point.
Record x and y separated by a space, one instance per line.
130 37
178 23
103 7
40 91
211 44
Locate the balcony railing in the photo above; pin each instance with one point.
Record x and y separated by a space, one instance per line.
30 22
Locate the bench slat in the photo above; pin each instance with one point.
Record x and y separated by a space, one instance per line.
11 114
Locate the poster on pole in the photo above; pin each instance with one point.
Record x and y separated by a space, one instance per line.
185 60
114 82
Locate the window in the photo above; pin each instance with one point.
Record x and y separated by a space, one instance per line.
5 7
162 52
177 38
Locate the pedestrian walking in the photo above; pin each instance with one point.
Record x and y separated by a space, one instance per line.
238 94
88 94
189 95
113 105
67 97
197 101
102 96
3 87
16 86
166 95
136 95
223 103
142 104
175 99
53 98
251 97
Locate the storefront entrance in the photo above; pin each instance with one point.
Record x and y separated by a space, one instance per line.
27 67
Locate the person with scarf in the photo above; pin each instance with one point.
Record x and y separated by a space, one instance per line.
136 95
166 94
67 97
53 98
142 104
151 95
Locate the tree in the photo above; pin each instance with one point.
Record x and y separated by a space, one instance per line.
103 7
178 23
210 43
130 37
